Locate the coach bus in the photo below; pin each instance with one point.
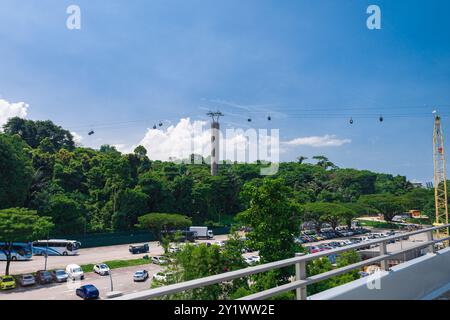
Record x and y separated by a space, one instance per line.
19 251
56 247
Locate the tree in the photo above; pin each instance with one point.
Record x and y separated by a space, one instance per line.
194 262
355 210
140 152
387 204
33 132
67 214
301 159
274 220
130 205
157 222
20 225
16 173
324 162
322 265
332 213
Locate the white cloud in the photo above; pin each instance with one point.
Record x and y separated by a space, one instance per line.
186 137
76 137
10 110
317 142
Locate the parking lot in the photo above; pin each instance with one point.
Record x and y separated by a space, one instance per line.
122 281
122 277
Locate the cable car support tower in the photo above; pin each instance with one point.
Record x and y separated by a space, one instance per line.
440 178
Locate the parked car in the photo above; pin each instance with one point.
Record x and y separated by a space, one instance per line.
347 242
256 259
314 249
220 243
101 269
44 277
140 275
336 244
363 274
249 260
59 275
88 291
174 249
7 282
162 276
26 280
325 247
75 272
135 249
159 260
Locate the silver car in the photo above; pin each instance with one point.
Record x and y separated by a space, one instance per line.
60 275
27 280
140 275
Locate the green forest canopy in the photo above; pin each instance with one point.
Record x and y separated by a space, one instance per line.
84 189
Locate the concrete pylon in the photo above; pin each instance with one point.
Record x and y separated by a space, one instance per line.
215 141
215 151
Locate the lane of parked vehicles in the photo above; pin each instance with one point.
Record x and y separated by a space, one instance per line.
353 236
74 272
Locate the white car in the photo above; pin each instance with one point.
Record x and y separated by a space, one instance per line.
101 269
256 259
159 260
249 261
220 243
174 249
75 272
162 276
140 275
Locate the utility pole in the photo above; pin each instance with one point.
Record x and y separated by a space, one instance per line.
215 141
46 253
111 280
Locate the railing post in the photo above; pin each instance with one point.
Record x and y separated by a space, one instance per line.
430 238
300 274
383 251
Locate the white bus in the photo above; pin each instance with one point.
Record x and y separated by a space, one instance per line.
18 251
56 247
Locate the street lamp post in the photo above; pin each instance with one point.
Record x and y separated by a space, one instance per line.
111 280
46 254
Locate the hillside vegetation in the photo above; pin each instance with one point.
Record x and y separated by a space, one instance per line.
86 190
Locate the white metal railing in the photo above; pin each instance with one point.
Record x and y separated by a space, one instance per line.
301 279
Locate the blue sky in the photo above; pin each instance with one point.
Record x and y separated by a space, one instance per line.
310 64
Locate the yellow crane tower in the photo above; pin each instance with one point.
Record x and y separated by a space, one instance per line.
440 178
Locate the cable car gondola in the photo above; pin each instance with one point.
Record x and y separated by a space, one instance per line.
381 119
351 120
91 133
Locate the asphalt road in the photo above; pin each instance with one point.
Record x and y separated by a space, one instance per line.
86 256
122 278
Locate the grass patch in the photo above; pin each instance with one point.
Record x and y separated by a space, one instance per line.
420 221
116 264
379 224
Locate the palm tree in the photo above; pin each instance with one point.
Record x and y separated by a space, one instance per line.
301 159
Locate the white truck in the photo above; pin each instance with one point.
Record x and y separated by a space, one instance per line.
202 232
